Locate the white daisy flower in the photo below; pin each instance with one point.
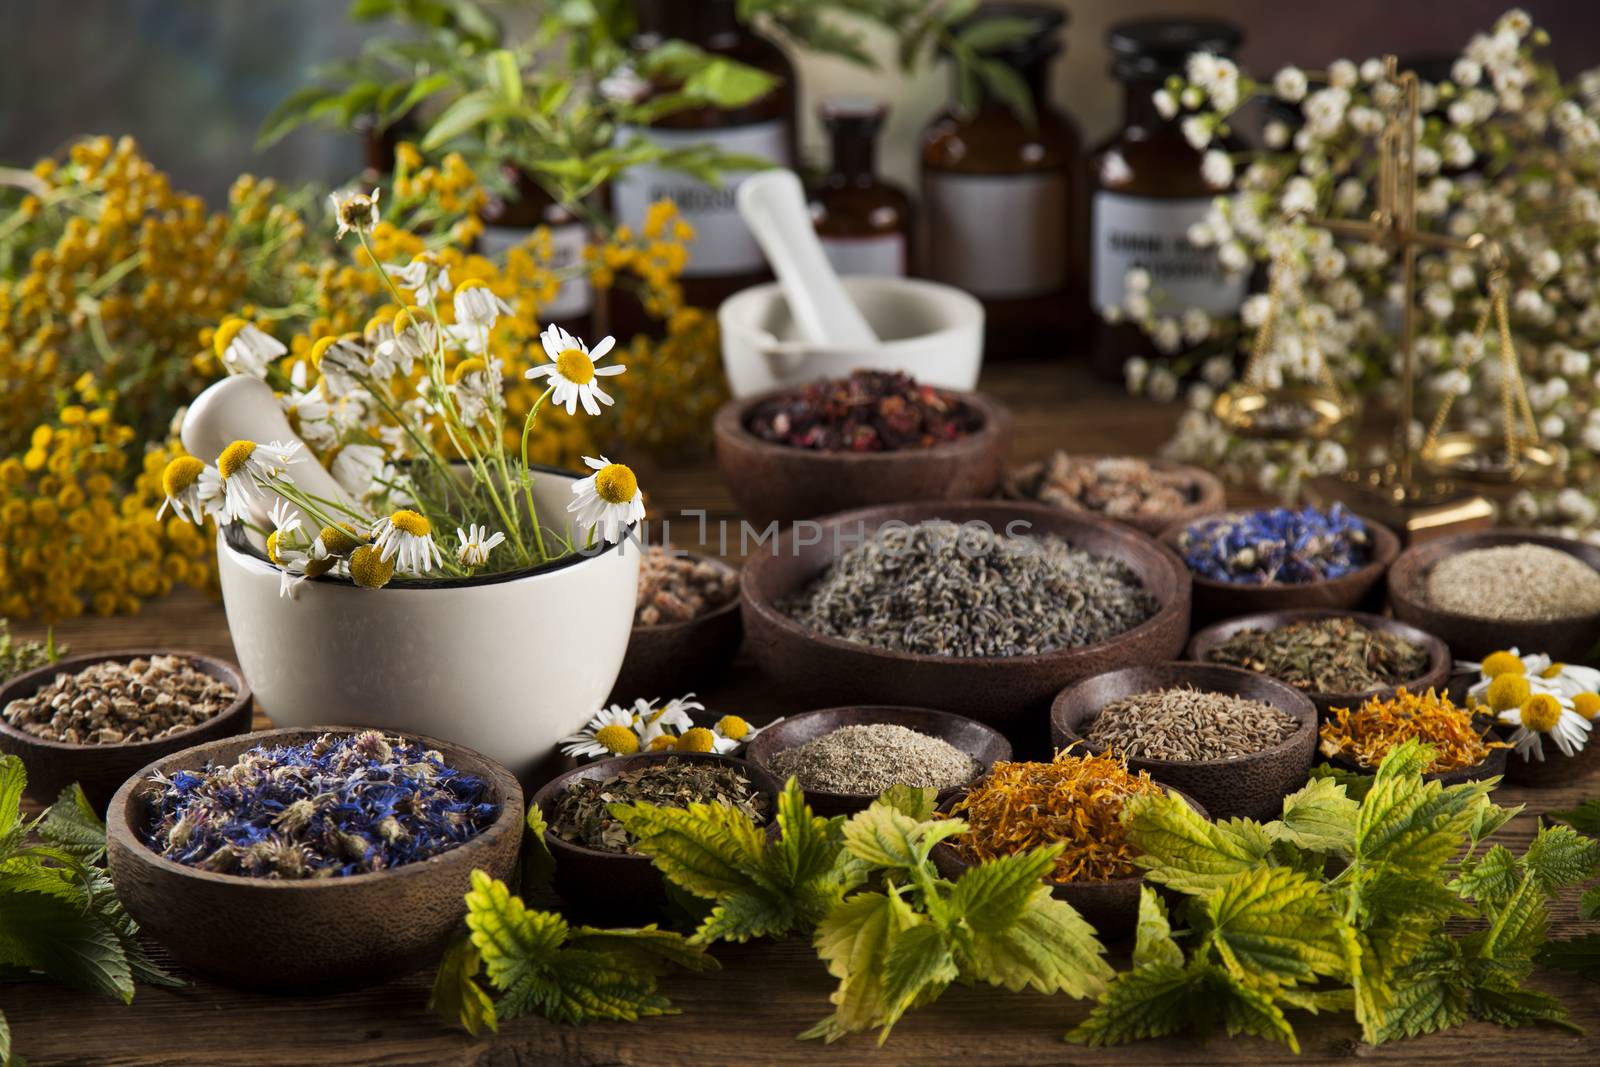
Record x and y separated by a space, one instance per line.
1545 714
475 388
245 349
476 544
476 304
608 500
609 733
415 335
355 211
406 537
424 275
245 467
339 360
312 418
732 732
356 467
285 518
654 724
194 490
572 370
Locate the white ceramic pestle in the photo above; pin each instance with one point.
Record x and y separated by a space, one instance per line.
773 205
244 408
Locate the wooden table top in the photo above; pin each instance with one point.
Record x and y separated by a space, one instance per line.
750 1010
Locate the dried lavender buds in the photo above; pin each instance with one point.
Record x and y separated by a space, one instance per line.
1333 655
1276 545
1521 583
333 806
113 702
1119 487
1185 723
870 411
939 589
582 814
674 588
867 759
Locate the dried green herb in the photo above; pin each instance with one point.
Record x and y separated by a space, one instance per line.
17 656
583 814
1325 656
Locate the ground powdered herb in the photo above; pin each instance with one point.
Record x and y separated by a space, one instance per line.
114 702
1120 487
940 589
870 411
1366 734
582 813
870 757
1185 723
1073 799
1522 582
674 588
1333 655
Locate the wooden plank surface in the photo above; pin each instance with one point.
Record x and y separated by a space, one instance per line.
750 1010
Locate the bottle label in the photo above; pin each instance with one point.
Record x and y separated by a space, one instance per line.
722 243
883 255
994 235
1153 233
575 298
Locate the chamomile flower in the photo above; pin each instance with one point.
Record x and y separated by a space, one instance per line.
406 539
355 211
285 518
415 334
1535 670
425 276
369 569
1545 714
475 388
609 733
476 305
669 721
572 370
246 466
730 732
311 416
476 544
245 349
608 500
194 490
339 360
357 467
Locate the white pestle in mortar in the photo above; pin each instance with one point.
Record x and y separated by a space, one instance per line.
773 204
241 408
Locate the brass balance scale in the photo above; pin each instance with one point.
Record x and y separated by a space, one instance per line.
1422 493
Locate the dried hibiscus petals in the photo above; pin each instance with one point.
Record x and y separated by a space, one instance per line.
870 411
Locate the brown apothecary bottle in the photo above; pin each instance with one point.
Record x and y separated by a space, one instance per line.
1000 199
1148 188
724 256
864 221
509 221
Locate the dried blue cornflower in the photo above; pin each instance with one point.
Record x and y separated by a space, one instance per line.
1277 545
337 805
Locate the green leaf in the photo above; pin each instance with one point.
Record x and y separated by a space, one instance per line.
538 865
743 916
1152 938
993 895
577 986
1585 818
6 1057
646 947
46 933
1429 995
1248 1010
1412 822
1007 86
1560 856
728 84
1489 818
1493 879
511 939
505 78
1153 1000
1519 1007
1519 929
711 850
1589 903
808 845
13 780
293 112
1050 949
463 115
919 964
1577 955
994 32
457 999
1272 926
1184 851
1356 785
909 800
854 943
1320 816
72 825
883 837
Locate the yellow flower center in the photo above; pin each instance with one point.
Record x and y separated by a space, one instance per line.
320 349
356 211
618 740
1541 713
1497 663
615 483
732 727
410 522
226 333
471 365
1587 705
1553 671
339 541
180 474
315 568
662 742
1507 691
234 457
410 318
472 283
697 739
575 366
272 548
377 324
368 569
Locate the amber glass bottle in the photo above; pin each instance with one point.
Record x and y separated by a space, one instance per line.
511 220
724 257
1147 189
999 199
865 222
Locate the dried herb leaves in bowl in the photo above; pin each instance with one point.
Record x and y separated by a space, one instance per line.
674 587
1147 494
581 814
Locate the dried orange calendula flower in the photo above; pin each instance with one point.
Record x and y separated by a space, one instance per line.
1367 734
1075 799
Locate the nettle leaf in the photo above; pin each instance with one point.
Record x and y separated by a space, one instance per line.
1248 1010
512 940
919 964
854 943
711 850
538 865
1585 818
808 845
884 837
994 894
1356 785
743 916
1577 955
1152 939
48 933
645 947
1489 818
588 986
1560 856
1320 817
1050 948
1519 1007
1411 822
1152 1000
1182 850
457 999
1520 927
1491 880
72 825
1272 926
1589 903
1429 993
13 780
917 803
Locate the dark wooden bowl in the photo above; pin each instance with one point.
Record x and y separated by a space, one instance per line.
1251 787
1473 638
1006 692
595 883
265 933
672 658
1207 494
1492 767
101 769
984 744
1435 676
772 482
1111 906
1555 769
1214 600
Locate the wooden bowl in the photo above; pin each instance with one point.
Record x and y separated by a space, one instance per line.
596 883
672 658
984 744
101 769
298 935
1472 638
1006 692
1251 787
1111 906
772 482
1207 493
1556 769
1492 767
1214 600
1436 675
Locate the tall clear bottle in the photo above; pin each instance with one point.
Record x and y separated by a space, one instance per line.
1148 187
1000 199
864 222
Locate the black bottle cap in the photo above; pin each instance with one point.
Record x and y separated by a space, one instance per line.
853 114
1151 49
1040 43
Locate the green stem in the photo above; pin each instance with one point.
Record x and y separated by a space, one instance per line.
527 476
